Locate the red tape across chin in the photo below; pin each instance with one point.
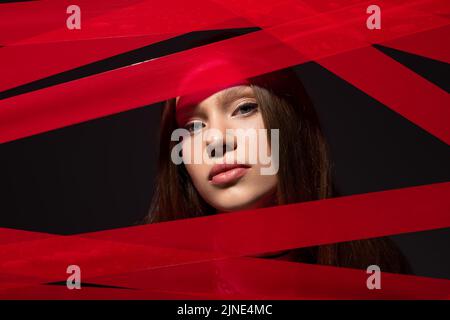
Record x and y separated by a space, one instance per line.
206 257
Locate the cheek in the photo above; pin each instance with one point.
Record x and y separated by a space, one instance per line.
194 151
256 122
199 177
195 171
196 168
257 148
188 150
262 141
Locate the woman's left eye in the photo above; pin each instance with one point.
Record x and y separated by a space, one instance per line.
245 108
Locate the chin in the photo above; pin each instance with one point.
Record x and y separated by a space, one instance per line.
236 204
235 207
239 197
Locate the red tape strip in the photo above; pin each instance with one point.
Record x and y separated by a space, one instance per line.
45 21
243 278
229 235
134 86
395 86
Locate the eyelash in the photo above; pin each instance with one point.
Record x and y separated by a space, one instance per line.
254 105
191 126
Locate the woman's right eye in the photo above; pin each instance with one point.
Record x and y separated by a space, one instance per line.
194 126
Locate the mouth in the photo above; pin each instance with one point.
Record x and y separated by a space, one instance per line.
222 174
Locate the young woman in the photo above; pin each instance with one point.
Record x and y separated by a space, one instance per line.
272 101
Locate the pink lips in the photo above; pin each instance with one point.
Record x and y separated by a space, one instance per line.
227 173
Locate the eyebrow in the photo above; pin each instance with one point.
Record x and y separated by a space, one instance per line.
226 97
231 94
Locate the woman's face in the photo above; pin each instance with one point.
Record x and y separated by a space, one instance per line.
229 180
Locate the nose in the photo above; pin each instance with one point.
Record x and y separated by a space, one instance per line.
219 142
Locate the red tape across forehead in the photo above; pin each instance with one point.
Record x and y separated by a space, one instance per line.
208 72
277 47
187 102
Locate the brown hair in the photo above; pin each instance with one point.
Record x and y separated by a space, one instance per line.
304 172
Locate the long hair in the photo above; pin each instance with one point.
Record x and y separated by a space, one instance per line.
304 172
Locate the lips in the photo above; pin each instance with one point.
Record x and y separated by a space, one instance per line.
227 173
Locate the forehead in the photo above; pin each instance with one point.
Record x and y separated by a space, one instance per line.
185 105
222 96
